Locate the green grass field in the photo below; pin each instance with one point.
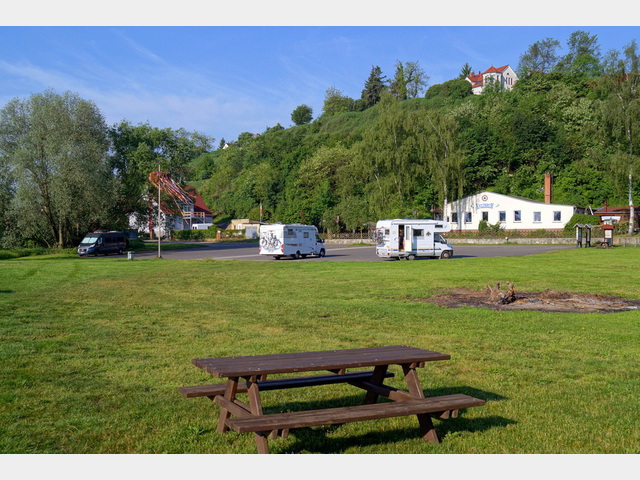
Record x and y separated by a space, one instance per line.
93 351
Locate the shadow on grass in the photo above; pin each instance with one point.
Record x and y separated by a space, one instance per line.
314 439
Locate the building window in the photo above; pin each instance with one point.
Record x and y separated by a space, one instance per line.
557 216
454 217
485 216
537 217
517 216
467 217
502 216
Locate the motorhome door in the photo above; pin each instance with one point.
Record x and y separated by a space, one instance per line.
408 239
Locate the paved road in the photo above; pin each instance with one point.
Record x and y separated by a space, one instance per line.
249 251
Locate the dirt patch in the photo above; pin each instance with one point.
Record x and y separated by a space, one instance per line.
546 301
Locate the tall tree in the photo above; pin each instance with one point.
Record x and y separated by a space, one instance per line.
409 81
540 57
373 87
622 112
138 150
584 59
465 71
336 102
56 145
438 148
302 114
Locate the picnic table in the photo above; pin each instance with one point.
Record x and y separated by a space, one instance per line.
248 375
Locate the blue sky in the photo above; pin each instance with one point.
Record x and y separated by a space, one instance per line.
225 80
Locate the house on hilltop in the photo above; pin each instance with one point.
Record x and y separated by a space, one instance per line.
504 76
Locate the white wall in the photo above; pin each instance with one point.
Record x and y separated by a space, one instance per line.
503 209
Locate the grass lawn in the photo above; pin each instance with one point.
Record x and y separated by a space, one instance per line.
93 351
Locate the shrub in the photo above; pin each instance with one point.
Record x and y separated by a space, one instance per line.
194 234
581 219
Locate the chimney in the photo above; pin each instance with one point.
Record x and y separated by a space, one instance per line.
547 188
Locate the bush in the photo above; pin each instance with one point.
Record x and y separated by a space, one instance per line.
581 219
194 234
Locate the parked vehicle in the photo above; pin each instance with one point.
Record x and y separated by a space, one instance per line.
407 239
104 243
295 240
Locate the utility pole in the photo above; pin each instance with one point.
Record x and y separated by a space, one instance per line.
159 223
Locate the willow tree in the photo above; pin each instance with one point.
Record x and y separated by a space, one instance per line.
56 146
388 161
438 149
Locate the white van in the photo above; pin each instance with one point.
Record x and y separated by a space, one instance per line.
407 239
294 240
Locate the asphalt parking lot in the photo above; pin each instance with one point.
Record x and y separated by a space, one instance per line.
336 252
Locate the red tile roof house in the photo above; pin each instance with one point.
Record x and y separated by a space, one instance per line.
184 217
505 76
613 215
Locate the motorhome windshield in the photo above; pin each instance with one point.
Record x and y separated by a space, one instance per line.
89 239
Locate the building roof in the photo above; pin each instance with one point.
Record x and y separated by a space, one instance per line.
198 204
477 79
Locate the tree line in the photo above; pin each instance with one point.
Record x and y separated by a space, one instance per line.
574 116
64 172
396 151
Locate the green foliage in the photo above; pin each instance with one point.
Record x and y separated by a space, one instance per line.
373 88
53 150
451 90
485 227
384 154
302 114
194 234
581 219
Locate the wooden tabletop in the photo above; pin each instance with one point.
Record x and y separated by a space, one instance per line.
316 361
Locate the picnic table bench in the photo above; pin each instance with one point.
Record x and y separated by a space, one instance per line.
253 370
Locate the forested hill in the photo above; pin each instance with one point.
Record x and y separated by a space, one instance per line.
403 157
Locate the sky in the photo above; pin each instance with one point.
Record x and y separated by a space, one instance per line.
225 71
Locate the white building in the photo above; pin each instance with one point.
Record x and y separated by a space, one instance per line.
504 76
512 213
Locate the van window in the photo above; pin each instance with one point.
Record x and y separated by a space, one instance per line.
90 239
289 233
306 235
418 232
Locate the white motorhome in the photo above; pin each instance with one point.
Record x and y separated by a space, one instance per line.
294 240
407 239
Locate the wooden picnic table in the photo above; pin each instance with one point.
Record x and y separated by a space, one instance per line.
249 374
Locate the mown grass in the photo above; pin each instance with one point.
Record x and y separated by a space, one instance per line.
93 351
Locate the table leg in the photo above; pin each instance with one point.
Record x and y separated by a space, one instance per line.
255 405
229 394
377 378
427 430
